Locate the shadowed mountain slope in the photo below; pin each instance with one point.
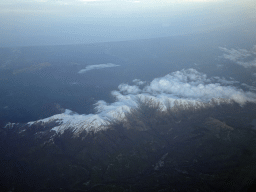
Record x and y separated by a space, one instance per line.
209 149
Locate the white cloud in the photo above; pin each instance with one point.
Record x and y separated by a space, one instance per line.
241 57
252 88
128 89
100 66
190 84
224 81
138 82
185 86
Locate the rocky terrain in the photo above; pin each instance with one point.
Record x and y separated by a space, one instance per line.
181 149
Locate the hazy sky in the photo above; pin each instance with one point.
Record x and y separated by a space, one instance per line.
37 22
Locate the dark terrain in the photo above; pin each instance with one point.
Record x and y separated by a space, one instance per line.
209 149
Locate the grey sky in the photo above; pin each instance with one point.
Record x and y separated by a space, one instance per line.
79 21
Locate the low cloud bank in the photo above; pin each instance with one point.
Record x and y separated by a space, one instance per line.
192 85
186 87
241 57
100 66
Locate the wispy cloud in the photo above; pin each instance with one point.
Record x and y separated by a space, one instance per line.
241 57
100 66
138 82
